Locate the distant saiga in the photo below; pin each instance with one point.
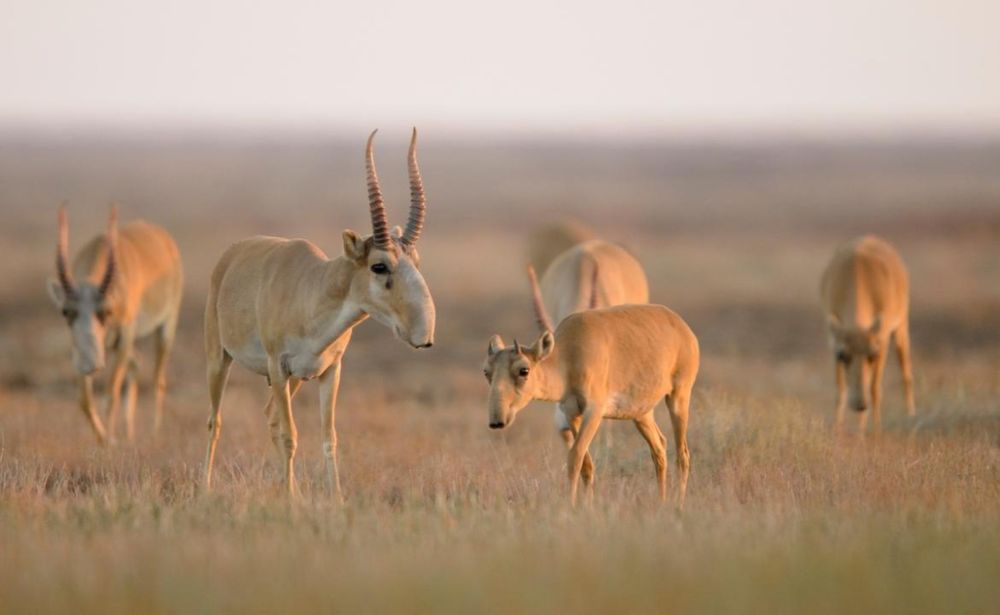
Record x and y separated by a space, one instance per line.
865 293
123 285
282 309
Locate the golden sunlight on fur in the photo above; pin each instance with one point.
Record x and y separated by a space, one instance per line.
614 363
282 309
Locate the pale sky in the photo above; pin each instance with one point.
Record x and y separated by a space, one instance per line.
511 65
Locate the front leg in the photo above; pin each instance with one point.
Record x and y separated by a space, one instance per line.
569 436
591 420
122 357
87 406
290 437
329 385
841 377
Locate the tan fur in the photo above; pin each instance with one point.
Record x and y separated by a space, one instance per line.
281 308
143 299
569 285
613 363
865 293
551 240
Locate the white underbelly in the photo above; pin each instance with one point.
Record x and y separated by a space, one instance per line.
251 356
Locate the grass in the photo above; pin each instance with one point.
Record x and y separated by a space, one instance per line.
444 515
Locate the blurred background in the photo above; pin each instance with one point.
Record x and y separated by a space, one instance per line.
732 146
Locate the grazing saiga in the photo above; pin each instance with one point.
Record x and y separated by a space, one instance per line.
123 285
281 308
865 292
614 363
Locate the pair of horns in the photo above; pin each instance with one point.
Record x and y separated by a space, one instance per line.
418 202
62 253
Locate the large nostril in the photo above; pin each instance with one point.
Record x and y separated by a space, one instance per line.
496 425
428 345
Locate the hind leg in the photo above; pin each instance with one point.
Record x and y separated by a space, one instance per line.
164 343
218 373
678 404
657 447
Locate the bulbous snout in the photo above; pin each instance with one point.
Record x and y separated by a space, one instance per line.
420 332
87 364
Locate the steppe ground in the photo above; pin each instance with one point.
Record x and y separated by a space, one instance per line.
445 515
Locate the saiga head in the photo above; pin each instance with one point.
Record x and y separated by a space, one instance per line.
857 349
512 374
387 283
84 304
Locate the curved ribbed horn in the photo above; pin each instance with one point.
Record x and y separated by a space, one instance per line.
418 202
62 254
380 224
541 315
112 239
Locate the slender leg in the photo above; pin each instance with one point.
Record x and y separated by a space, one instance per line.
329 385
283 408
651 432
131 393
591 420
587 469
218 373
164 340
274 420
678 404
567 431
841 375
87 406
877 373
902 340
122 357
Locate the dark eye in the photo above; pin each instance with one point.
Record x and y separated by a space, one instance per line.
69 313
523 372
843 357
102 315
380 268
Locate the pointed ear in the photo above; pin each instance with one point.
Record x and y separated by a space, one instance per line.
496 345
354 246
543 346
876 325
56 292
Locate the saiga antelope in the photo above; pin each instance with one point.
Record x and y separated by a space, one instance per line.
123 285
865 293
593 274
282 309
613 363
